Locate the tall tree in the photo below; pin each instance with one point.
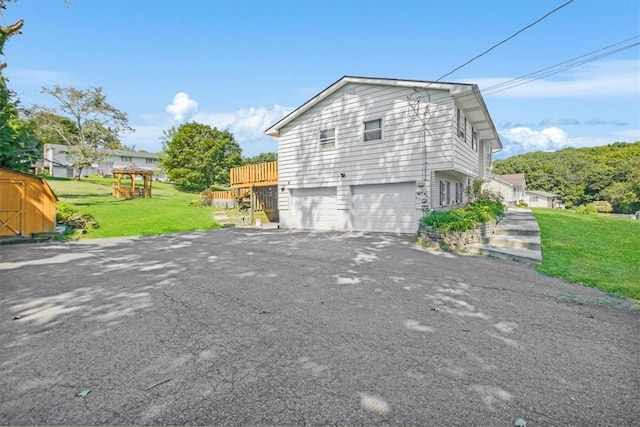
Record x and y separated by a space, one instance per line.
261 158
18 146
199 154
96 123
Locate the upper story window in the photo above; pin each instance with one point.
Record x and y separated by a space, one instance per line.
125 158
474 139
328 138
373 130
459 123
150 161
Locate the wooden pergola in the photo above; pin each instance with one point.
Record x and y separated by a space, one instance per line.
130 191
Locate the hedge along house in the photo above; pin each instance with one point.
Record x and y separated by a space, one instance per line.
27 205
370 154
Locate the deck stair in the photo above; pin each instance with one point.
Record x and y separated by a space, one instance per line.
516 237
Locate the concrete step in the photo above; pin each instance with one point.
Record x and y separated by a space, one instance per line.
515 230
513 241
528 256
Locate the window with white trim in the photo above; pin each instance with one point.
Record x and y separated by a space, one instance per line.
445 193
125 158
373 130
328 139
459 128
474 139
459 189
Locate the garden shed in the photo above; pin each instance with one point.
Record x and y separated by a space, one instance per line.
27 204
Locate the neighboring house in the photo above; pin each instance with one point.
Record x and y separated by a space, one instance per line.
370 154
542 199
57 162
27 204
512 187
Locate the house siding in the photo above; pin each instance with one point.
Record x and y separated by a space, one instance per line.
57 162
411 152
397 157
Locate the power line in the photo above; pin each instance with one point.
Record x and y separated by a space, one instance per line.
554 68
547 71
504 41
536 76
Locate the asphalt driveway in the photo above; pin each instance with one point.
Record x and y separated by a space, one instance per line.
251 326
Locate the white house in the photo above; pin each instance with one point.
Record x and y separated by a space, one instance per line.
57 162
369 154
512 187
543 199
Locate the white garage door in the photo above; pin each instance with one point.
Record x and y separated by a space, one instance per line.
314 208
385 207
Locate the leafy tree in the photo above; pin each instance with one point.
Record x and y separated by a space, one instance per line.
261 158
583 175
96 123
197 154
18 146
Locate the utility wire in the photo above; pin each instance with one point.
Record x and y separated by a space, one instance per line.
521 81
504 41
570 64
548 71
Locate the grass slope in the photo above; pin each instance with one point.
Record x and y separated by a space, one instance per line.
598 251
167 211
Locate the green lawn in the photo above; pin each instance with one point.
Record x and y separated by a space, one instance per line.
598 251
167 211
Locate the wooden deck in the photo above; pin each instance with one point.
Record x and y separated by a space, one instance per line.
259 175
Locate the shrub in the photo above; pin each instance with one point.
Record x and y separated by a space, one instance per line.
589 209
463 219
70 216
522 204
602 206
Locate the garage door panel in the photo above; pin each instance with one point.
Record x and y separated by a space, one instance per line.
314 208
384 207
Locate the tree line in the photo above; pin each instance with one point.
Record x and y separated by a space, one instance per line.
583 175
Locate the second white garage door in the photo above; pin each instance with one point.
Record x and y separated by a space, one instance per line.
385 207
313 208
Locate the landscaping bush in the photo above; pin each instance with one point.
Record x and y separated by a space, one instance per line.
466 218
589 209
70 216
602 206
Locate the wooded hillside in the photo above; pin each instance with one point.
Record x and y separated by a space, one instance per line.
583 175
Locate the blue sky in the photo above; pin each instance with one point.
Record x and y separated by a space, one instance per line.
242 65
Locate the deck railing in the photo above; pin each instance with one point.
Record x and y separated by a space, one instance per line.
220 195
258 175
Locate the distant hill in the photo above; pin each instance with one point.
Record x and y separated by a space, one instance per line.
583 175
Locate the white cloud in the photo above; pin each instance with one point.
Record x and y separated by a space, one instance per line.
593 80
246 124
551 138
182 107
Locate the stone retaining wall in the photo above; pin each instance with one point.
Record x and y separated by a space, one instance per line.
459 241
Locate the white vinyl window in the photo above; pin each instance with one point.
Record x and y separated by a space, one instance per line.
459 124
459 190
125 158
328 139
373 130
445 193
474 139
